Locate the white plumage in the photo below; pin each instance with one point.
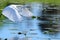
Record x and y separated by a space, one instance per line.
15 12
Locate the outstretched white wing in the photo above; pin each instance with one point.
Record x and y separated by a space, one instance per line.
14 13
11 14
24 11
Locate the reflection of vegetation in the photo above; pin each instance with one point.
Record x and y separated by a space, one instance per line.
1 16
47 27
2 5
1 23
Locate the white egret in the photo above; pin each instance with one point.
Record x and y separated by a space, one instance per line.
15 12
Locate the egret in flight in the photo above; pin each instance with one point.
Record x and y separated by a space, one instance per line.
15 12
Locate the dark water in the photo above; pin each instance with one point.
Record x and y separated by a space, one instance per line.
30 27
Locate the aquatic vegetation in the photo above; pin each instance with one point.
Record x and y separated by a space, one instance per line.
19 33
5 38
33 17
